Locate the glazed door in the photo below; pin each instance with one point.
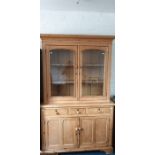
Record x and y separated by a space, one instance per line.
61 71
93 72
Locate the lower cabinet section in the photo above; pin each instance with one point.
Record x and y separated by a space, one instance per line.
78 132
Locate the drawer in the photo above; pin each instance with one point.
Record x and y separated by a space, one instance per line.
98 110
77 111
55 111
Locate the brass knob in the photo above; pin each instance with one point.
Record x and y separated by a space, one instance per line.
99 110
77 131
77 111
56 111
80 129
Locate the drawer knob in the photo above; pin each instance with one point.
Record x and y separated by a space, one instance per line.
56 111
77 111
99 110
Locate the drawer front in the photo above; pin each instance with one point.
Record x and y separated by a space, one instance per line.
55 111
77 111
98 110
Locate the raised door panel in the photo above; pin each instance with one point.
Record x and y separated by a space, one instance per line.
87 131
102 128
53 133
69 137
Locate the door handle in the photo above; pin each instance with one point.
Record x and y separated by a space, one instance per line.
77 131
80 129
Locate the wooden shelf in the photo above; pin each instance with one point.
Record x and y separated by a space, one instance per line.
62 82
91 82
61 65
93 65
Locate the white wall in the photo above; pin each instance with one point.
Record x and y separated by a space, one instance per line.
63 22
80 22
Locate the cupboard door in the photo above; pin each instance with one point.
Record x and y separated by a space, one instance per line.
60 133
87 131
102 128
93 67
94 131
53 135
69 136
61 71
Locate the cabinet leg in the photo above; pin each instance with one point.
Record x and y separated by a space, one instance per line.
107 150
108 153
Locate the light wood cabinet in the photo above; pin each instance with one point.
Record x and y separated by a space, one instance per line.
76 112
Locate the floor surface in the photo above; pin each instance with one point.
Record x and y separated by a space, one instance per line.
87 153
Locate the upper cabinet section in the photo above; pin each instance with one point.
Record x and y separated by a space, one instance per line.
76 68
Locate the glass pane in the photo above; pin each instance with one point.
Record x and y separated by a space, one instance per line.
62 72
92 72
